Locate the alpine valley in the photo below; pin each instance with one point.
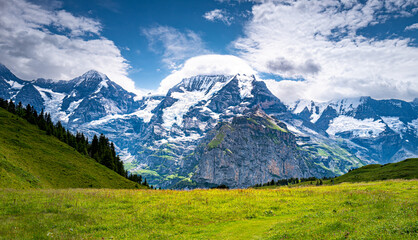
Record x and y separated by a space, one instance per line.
224 130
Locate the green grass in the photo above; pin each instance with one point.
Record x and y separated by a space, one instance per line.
147 173
406 169
31 159
274 126
374 210
216 140
253 121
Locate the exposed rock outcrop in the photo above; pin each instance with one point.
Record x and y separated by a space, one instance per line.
254 148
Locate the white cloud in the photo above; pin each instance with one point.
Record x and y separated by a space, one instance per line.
212 64
412 27
219 14
318 41
175 46
36 42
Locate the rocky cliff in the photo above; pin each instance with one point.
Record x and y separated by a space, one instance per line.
253 148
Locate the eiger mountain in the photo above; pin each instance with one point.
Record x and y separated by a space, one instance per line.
169 139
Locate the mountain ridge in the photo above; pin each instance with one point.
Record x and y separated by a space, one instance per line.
166 129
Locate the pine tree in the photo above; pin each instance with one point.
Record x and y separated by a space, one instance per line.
19 110
94 148
11 107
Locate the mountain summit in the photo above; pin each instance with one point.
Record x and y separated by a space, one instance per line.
156 135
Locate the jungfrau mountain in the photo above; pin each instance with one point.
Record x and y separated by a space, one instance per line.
176 140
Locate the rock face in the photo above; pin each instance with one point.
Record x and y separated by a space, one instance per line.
252 149
155 135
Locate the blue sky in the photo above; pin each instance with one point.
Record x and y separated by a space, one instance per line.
124 22
310 49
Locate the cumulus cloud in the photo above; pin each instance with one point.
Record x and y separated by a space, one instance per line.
211 64
174 45
412 27
53 43
219 15
319 42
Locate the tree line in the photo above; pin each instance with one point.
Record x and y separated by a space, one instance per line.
100 148
290 181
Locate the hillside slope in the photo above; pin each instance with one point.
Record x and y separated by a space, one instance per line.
407 169
31 159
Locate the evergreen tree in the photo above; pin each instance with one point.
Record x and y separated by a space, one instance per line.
94 148
41 121
19 110
11 107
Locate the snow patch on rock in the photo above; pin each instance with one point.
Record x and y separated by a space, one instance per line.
53 104
186 99
102 84
13 84
395 124
245 84
360 128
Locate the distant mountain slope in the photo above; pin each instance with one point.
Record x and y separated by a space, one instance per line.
31 159
406 169
378 131
155 134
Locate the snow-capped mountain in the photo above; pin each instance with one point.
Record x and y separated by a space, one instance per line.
157 134
83 99
381 130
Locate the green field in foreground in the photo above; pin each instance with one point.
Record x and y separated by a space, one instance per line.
373 210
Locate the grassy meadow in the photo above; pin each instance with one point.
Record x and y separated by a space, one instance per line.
31 159
373 210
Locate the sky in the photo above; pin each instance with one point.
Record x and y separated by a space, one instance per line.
318 50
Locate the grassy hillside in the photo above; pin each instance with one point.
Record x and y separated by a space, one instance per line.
406 169
374 210
31 159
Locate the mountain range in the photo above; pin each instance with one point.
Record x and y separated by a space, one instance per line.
216 129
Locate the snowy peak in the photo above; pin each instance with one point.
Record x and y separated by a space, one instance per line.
245 85
188 93
91 82
90 79
346 106
205 83
93 74
202 82
199 102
